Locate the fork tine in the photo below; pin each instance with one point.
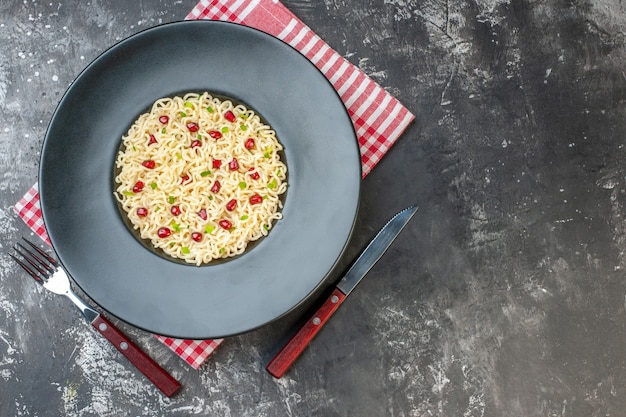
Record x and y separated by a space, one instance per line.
42 267
41 252
26 268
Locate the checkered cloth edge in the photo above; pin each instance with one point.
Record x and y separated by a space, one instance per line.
378 118
193 351
29 210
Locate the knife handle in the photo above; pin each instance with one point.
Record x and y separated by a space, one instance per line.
159 376
296 345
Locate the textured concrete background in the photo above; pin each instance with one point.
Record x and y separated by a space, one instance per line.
505 296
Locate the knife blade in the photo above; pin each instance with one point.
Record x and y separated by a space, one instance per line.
372 253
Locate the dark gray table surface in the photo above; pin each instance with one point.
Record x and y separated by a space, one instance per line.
505 296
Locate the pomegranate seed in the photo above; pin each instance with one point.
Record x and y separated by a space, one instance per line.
184 179
197 236
192 127
142 212
231 205
175 210
230 116
215 134
164 119
249 144
202 214
152 140
164 232
150 164
217 163
216 187
233 165
225 224
196 143
138 186
254 175
256 199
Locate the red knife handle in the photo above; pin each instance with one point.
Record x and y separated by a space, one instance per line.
296 345
159 377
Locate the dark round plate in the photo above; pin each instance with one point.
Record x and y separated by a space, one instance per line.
222 299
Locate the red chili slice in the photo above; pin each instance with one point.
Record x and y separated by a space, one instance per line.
152 140
175 210
249 144
196 143
142 212
184 179
217 163
216 187
164 232
254 175
150 164
215 134
230 116
164 119
233 165
225 224
202 214
230 206
138 186
192 126
256 199
197 236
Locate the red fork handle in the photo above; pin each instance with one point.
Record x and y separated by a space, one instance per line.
296 345
159 376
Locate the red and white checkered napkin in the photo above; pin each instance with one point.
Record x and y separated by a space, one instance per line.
379 119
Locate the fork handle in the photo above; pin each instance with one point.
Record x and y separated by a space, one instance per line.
159 376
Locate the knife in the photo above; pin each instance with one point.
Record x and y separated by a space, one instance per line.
372 253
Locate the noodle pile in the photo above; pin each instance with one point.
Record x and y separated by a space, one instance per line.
200 178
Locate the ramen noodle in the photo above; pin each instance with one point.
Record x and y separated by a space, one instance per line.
200 177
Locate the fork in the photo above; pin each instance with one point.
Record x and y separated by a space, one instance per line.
51 275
